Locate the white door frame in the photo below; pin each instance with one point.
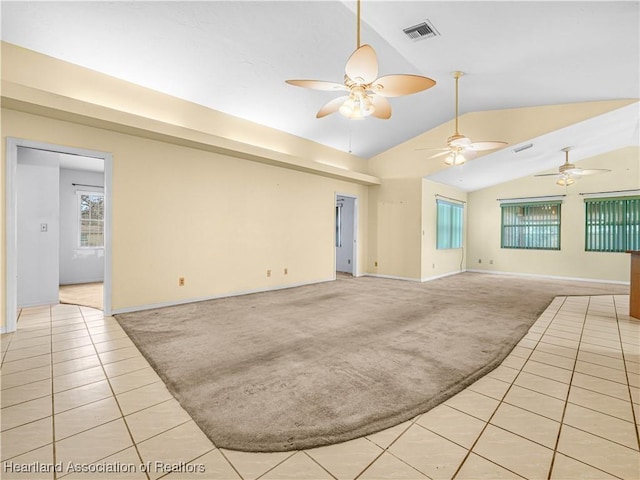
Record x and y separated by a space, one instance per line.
12 218
355 271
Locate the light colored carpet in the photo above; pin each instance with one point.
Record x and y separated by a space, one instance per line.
85 294
326 363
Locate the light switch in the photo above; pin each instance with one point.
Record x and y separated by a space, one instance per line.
44 227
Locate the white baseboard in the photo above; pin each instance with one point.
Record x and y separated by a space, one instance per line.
40 303
551 277
435 277
140 308
391 277
408 279
83 281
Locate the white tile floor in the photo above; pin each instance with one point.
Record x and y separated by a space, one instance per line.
77 394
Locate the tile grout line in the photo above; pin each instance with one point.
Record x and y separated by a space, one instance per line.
276 465
318 463
626 371
386 449
413 422
198 457
53 408
564 409
229 462
488 422
123 416
115 398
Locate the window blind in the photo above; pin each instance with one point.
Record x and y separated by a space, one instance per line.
449 225
531 225
612 224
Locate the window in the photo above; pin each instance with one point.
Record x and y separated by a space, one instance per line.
531 225
91 219
612 224
449 228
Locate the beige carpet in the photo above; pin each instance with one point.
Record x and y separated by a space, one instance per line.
86 294
326 363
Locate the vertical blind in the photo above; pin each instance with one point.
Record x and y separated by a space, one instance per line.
531 225
612 224
449 228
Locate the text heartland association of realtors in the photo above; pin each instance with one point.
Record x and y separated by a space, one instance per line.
104 467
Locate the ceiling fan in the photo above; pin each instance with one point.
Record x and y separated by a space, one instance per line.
568 173
367 93
460 148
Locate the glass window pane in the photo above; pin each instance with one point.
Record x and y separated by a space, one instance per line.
91 225
449 225
612 224
531 225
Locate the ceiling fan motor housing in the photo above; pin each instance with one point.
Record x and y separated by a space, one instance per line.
456 140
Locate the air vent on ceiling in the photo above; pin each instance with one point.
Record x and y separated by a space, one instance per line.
420 31
522 147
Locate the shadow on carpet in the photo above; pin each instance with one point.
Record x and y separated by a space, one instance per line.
326 363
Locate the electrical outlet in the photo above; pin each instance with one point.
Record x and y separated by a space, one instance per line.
479 260
44 227
286 271
490 262
375 264
268 273
433 265
181 282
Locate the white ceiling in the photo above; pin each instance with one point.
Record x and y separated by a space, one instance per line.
78 162
234 56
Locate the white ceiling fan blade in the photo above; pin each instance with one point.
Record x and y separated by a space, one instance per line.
317 85
549 175
331 107
362 66
482 146
382 107
441 154
435 148
589 171
399 85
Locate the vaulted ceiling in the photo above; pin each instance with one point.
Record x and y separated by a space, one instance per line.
233 56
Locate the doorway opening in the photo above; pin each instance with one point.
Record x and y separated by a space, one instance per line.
346 234
58 226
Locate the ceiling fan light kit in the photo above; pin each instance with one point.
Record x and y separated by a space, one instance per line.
456 158
568 173
459 147
367 94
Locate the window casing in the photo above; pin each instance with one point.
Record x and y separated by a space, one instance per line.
90 219
339 225
531 225
612 224
449 225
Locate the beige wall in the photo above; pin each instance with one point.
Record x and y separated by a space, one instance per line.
572 260
196 193
219 200
218 221
403 206
440 262
395 228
